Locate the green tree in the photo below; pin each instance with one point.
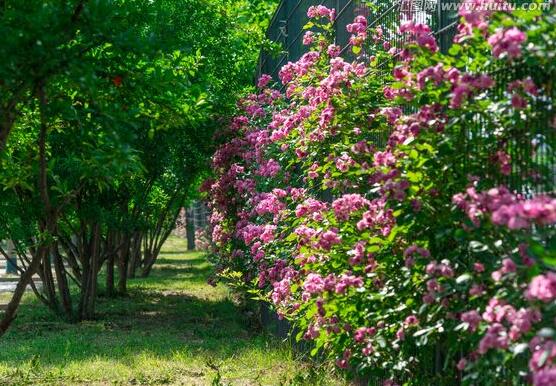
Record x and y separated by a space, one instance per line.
106 119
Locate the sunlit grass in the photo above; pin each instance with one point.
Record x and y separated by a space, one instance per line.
173 329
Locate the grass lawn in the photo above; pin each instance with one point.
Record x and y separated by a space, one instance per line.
172 329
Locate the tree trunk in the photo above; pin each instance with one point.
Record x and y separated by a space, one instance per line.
155 252
123 261
148 264
190 228
90 274
95 262
85 285
24 280
111 250
110 275
134 254
48 285
63 286
148 253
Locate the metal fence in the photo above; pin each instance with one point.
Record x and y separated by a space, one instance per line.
286 27
198 214
531 143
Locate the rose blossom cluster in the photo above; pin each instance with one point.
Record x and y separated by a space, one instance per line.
475 15
507 42
321 11
331 227
507 209
358 29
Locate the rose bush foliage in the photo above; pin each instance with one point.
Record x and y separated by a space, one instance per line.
390 207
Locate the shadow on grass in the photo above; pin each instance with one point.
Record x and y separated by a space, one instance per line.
158 317
166 271
179 262
179 252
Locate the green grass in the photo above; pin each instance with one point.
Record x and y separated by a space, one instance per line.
173 329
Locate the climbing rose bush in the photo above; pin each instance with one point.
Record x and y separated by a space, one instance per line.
388 206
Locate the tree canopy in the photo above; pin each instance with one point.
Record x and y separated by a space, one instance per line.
107 112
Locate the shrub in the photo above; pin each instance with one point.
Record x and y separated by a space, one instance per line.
386 206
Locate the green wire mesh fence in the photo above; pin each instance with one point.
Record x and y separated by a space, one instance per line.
531 145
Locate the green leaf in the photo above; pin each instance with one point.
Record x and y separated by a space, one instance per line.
455 49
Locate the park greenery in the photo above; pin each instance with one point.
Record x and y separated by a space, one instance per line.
172 329
399 208
392 200
107 113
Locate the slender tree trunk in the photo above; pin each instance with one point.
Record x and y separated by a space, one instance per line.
190 228
95 266
62 280
148 258
147 267
47 224
134 254
154 254
8 113
110 276
158 238
123 261
69 245
112 241
90 274
48 285
85 279
24 280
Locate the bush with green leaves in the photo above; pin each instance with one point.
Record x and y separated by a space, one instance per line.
107 113
399 210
